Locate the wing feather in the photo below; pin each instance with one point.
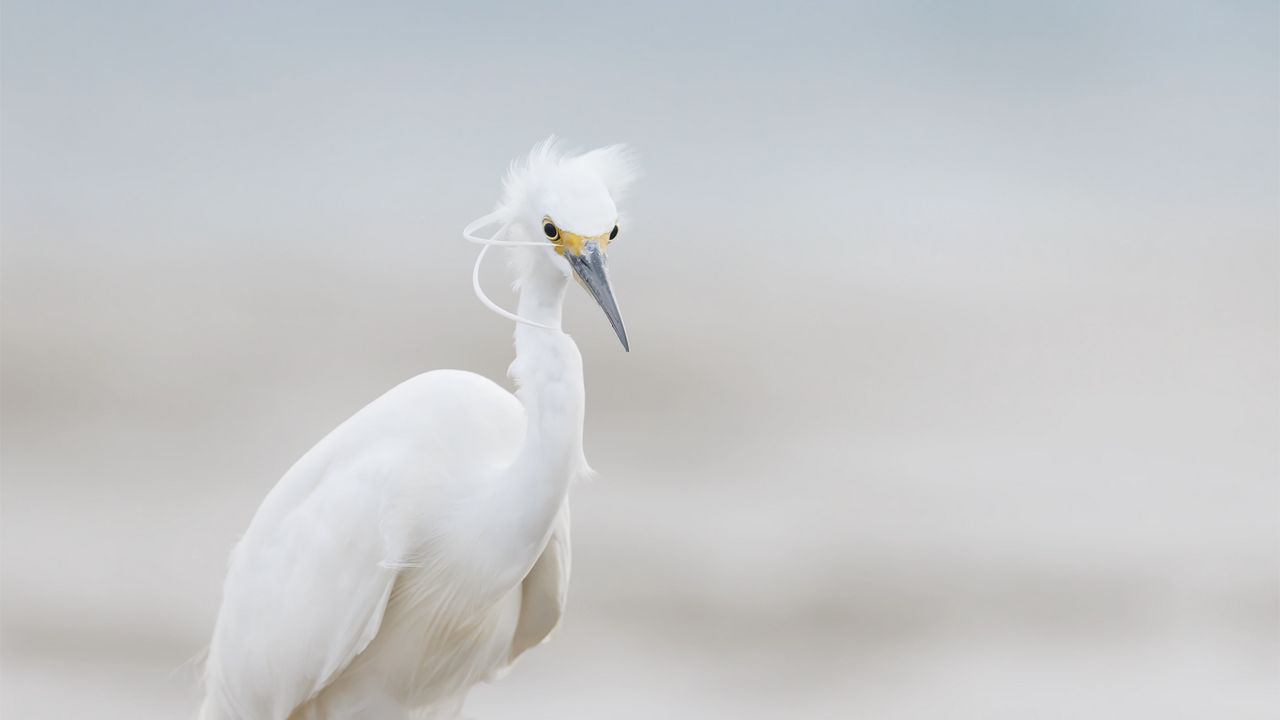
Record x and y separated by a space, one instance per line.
309 583
544 589
304 595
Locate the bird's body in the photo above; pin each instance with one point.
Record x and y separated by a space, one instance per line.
417 549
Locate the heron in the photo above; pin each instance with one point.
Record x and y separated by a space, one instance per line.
423 545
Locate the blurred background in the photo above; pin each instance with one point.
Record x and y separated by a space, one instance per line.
955 372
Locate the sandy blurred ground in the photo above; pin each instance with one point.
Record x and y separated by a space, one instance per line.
955 372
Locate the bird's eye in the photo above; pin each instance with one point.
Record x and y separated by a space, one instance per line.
613 233
549 229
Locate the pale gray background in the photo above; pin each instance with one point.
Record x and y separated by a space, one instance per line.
954 383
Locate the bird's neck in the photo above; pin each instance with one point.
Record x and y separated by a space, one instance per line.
548 373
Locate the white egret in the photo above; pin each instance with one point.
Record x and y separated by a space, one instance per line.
423 545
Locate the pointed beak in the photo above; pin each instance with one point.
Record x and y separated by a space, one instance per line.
593 274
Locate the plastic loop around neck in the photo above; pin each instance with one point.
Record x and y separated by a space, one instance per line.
469 233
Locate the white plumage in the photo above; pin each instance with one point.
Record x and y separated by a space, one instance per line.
423 545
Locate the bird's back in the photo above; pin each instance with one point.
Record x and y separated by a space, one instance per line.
309 582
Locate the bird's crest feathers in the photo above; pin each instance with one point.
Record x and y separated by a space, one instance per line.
613 165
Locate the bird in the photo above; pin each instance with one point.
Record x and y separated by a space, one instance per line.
423 545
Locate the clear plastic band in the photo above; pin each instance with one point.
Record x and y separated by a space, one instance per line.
469 233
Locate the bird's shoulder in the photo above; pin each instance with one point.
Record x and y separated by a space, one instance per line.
446 395
447 416
442 423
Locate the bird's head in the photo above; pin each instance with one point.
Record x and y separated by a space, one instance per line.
566 203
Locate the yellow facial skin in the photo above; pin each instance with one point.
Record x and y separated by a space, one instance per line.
574 243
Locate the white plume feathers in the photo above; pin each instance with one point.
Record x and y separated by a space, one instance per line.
526 179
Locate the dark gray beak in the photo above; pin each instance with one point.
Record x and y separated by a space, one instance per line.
593 274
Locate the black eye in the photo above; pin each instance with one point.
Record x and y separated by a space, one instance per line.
613 233
550 231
